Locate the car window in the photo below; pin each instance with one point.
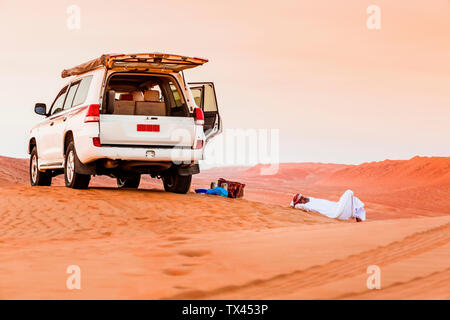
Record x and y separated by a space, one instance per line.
82 91
205 96
71 95
209 103
176 94
197 94
58 103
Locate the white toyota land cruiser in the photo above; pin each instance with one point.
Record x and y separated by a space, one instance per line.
123 116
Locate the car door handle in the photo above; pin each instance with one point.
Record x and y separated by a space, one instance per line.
52 123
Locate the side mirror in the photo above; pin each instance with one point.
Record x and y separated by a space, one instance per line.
40 109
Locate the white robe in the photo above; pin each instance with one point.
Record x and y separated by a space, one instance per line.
347 207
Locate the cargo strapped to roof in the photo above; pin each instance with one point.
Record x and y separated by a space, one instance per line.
143 61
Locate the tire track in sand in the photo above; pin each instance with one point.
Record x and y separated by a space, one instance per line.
335 270
416 288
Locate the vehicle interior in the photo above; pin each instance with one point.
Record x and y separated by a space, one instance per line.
144 95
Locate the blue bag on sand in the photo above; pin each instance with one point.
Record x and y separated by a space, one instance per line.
216 191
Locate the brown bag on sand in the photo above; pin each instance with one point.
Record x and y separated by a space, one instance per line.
235 189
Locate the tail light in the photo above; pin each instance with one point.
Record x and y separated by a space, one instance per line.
199 117
96 142
199 144
93 113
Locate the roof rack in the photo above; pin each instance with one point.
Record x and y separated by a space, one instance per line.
146 61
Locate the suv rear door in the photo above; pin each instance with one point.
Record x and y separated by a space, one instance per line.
135 130
154 61
204 95
141 128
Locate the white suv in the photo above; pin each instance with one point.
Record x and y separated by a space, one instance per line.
122 116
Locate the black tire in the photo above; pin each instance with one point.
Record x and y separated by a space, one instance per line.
131 182
175 183
71 177
38 178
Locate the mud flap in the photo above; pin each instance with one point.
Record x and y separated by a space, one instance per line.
189 170
81 168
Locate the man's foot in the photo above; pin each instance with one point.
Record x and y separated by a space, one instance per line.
297 198
358 220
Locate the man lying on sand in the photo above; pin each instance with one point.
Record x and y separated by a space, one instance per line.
347 207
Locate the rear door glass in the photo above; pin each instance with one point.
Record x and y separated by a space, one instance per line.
209 103
205 96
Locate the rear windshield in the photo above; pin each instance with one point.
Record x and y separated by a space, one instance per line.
149 95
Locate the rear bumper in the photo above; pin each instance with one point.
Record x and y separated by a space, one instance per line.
87 152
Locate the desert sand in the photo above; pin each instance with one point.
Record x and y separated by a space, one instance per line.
148 244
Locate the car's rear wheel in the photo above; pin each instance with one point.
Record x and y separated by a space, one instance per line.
131 182
38 178
71 177
176 183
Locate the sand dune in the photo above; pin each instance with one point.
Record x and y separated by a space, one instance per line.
299 171
391 189
13 171
418 171
148 244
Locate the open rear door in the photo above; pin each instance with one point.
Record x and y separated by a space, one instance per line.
153 61
137 62
204 95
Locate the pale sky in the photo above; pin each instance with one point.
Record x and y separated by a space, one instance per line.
337 91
